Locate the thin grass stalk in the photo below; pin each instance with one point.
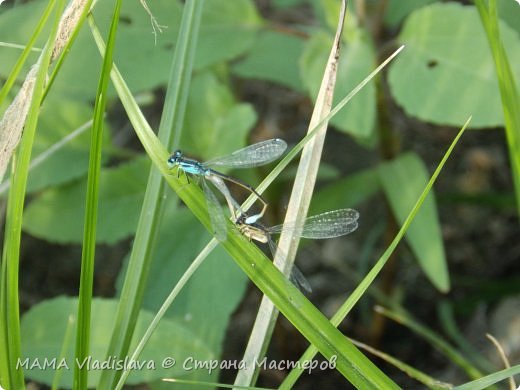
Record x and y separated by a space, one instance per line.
194 266
12 377
449 324
507 85
67 340
71 24
307 319
213 384
412 372
488 380
440 344
153 208
50 151
360 290
298 310
296 211
91 211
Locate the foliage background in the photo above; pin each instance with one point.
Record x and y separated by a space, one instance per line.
257 68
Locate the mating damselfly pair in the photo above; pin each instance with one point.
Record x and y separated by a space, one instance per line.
327 225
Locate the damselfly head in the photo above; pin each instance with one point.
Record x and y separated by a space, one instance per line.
241 219
174 158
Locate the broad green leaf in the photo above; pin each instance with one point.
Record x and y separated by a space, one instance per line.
397 10
230 26
346 192
57 214
58 120
16 25
446 72
213 293
509 11
215 124
288 3
45 325
403 180
357 60
273 57
325 172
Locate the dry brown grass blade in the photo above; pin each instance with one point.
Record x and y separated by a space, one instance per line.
297 209
503 357
13 121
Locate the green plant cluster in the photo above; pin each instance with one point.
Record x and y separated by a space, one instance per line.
446 74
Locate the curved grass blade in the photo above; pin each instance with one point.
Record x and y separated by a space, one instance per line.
331 343
412 372
170 129
297 208
359 292
507 84
10 346
91 210
441 345
11 79
488 380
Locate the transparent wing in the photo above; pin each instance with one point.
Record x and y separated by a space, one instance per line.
216 215
296 276
234 207
300 281
251 156
327 225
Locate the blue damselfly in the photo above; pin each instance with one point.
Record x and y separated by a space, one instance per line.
251 156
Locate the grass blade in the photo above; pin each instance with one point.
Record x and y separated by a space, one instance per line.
10 349
507 85
26 51
434 339
412 372
489 380
360 290
70 25
91 211
296 211
350 362
166 305
152 209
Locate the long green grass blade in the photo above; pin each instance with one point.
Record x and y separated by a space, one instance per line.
76 14
412 372
91 211
360 290
26 51
311 323
297 208
437 341
166 305
10 350
152 209
488 380
508 92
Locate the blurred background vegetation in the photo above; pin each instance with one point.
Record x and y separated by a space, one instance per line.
257 69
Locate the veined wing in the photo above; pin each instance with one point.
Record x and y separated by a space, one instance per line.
296 276
234 207
251 156
216 215
327 225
